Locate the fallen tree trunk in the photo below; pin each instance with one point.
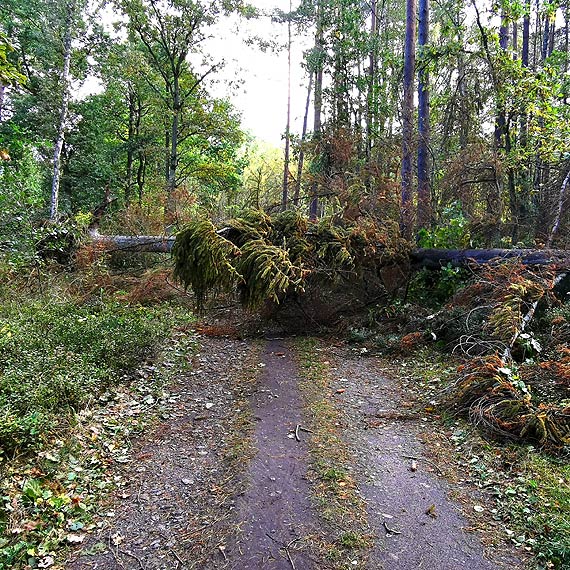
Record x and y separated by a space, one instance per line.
437 258
150 244
426 258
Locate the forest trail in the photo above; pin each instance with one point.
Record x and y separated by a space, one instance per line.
221 483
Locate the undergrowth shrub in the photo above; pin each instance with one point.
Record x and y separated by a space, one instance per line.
55 357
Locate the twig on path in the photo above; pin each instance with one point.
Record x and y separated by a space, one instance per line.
135 557
139 493
434 465
286 547
390 531
222 549
297 433
306 430
115 554
176 556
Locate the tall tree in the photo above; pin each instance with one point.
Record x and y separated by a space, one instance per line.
424 199
285 197
70 17
170 32
318 62
408 120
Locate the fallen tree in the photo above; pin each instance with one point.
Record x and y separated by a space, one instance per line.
437 258
419 257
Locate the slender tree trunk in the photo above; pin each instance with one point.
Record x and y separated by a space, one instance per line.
302 142
545 37
526 35
130 146
2 100
285 198
66 93
408 120
318 105
515 36
500 121
173 154
371 99
424 196
561 200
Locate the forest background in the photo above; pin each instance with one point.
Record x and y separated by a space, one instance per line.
482 161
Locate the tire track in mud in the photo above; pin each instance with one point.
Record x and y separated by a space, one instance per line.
416 524
274 513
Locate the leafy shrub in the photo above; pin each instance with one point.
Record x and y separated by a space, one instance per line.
54 358
451 233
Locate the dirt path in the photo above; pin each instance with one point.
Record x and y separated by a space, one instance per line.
416 523
221 483
184 476
275 510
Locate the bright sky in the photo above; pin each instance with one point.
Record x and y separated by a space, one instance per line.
255 80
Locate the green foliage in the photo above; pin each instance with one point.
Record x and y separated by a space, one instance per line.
56 357
267 273
268 257
21 205
9 73
204 259
452 232
432 288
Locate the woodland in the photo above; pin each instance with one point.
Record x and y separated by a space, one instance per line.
420 213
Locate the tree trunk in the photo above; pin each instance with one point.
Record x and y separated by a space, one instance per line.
2 99
285 198
561 201
432 259
302 142
526 35
371 96
318 106
66 88
438 258
406 221
130 145
173 154
424 195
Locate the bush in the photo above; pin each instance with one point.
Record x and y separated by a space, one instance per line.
54 358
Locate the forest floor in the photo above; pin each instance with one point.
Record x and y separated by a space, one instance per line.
296 454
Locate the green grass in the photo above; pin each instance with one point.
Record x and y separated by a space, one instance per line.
70 402
56 356
537 508
335 492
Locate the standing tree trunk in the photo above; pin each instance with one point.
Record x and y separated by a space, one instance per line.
371 99
285 197
424 196
66 88
406 221
318 106
173 151
302 142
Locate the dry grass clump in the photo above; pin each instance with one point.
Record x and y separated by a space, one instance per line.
500 403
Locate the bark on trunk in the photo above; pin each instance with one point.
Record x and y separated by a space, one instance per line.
420 258
302 142
424 197
437 258
2 99
65 78
318 105
285 197
406 222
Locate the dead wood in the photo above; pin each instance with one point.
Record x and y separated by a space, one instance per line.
420 258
